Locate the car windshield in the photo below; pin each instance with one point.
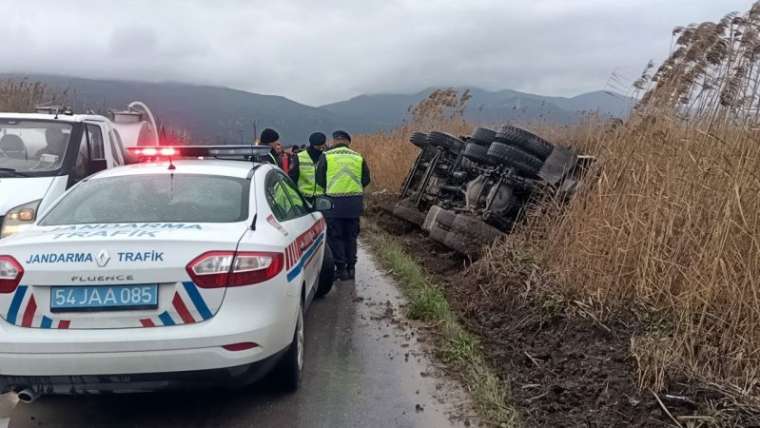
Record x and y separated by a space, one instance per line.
32 146
153 198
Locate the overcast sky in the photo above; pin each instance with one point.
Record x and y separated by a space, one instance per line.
318 52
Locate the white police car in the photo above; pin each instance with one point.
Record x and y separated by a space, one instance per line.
162 274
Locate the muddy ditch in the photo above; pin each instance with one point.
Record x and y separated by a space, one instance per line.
563 370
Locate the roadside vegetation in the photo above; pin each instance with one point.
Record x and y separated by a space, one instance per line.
456 347
658 255
24 95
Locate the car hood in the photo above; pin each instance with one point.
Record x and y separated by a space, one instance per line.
15 191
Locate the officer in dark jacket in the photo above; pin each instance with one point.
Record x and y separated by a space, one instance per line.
343 174
270 137
304 168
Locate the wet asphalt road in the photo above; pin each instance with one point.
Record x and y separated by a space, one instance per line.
363 368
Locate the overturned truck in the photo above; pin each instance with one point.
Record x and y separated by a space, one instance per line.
467 192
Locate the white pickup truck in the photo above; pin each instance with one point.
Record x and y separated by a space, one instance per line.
43 154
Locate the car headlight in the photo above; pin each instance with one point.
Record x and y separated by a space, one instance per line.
16 218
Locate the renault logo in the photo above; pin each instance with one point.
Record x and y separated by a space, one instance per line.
103 258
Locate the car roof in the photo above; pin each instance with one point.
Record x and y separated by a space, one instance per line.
66 118
229 168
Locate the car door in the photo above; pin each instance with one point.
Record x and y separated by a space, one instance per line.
304 254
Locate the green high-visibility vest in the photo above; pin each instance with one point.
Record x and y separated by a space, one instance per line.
344 172
307 172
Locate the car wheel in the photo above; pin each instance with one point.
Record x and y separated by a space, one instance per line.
525 141
291 366
326 275
512 157
437 233
463 244
410 214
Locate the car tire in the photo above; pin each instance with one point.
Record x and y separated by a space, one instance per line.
477 153
419 139
525 141
446 141
523 162
410 214
483 136
326 275
290 368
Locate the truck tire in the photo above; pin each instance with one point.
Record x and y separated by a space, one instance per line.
419 139
408 213
438 234
481 232
439 217
477 153
463 244
523 162
326 275
446 141
483 136
525 141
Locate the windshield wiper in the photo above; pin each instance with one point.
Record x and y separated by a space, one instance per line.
12 172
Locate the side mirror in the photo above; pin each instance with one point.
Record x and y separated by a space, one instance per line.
97 165
323 204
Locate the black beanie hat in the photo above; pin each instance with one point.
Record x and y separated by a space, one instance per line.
317 139
269 136
342 135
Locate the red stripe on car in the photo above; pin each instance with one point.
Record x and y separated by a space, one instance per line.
31 308
64 324
179 305
147 322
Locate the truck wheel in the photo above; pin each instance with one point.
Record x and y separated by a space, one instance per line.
440 217
477 153
410 214
463 244
446 141
326 275
289 369
482 232
523 162
419 139
525 141
437 233
483 136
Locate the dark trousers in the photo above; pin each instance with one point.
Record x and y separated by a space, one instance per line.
341 236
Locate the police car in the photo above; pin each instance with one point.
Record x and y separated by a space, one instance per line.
180 272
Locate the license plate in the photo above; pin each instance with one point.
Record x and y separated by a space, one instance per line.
103 298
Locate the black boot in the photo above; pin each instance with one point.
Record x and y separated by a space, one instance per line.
341 273
351 272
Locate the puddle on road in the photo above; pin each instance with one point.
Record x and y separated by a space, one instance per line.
405 345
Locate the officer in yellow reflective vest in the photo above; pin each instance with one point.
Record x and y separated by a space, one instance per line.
343 174
304 169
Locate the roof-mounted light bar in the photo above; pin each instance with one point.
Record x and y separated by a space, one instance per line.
238 152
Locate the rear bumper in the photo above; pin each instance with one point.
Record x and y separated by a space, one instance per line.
228 377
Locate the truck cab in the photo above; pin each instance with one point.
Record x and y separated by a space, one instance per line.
43 154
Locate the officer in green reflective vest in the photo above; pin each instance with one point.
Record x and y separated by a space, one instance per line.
304 169
343 174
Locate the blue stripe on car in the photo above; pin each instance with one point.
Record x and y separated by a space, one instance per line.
166 318
306 255
46 322
195 296
16 304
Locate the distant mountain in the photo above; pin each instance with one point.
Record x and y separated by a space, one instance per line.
216 114
490 107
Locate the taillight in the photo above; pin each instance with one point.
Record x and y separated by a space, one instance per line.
217 269
10 274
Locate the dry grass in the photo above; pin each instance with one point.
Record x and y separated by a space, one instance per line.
24 95
669 226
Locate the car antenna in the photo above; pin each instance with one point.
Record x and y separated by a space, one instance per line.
253 143
172 167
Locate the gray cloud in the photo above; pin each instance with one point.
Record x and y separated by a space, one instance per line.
318 52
